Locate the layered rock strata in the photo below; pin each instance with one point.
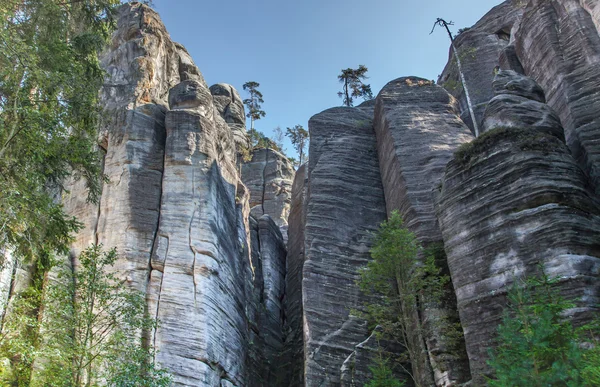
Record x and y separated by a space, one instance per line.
418 130
513 202
293 357
230 106
478 49
371 352
177 211
520 103
266 315
196 264
345 204
559 46
269 176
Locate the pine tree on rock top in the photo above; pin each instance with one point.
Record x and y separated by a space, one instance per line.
353 85
253 104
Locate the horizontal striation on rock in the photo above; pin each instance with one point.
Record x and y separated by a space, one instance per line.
520 103
356 368
418 130
293 356
142 64
345 204
273 261
559 46
197 262
269 176
479 49
512 201
230 106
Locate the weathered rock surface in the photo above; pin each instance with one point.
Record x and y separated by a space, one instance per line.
177 212
196 264
418 130
230 105
559 46
293 357
512 200
520 103
345 204
269 176
479 48
369 352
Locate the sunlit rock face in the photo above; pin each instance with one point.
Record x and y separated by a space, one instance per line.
558 44
269 176
344 205
230 106
177 211
514 203
418 130
478 49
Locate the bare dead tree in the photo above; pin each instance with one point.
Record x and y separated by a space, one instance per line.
442 23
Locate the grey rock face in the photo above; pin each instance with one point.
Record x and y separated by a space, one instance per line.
269 176
479 48
418 130
293 358
559 46
345 203
355 370
230 105
196 263
266 335
134 98
177 212
512 200
519 103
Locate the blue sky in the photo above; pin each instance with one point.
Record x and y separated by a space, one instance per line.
296 49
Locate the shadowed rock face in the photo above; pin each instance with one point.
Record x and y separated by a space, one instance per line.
354 373
418 130
520 103
293 358
269 176
345 203
512 201
479 48
559 46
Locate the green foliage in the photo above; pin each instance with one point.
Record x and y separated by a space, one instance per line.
260 140
537 346
298 136
398 279
253 104
49 81
89 330
353 85
383 375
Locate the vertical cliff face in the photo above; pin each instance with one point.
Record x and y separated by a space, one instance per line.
479 48
559 46
178 213
418 130
345 203
293 358
204 234
269 176
231 107
512 201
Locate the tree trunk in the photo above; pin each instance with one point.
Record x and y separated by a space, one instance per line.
463 81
